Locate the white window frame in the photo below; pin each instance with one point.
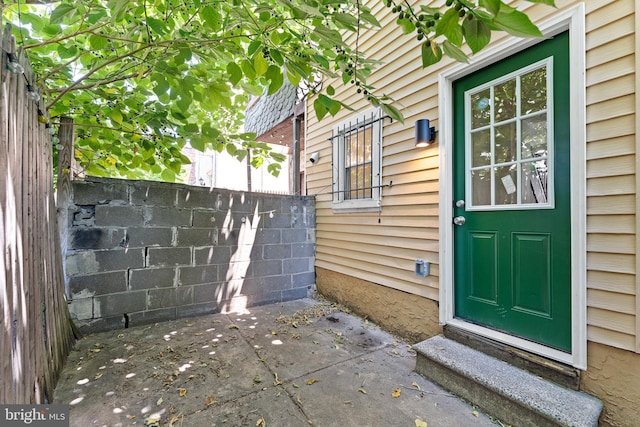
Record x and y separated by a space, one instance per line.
370 117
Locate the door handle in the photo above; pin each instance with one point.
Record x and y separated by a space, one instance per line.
460 203
459 220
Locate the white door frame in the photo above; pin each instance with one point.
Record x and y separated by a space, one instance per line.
572 19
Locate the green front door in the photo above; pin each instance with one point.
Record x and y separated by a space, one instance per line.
512 234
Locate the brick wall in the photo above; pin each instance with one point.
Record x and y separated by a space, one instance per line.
141 252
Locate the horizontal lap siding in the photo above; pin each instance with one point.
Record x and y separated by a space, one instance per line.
611 173
382 248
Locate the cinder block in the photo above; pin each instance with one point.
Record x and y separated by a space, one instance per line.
264 268
152 316
102 324
303 279
81 308
119 216
161 298
89 262
258 285
167 216
294 235
99 284
269 236
149 236
91 193
296 265
96 238
212 255
162 257
304 249
279 251
278 220
196 309
148 278
295 293
153 194
197 197
206 293
184 294
119 304
197 275
83 216
197 236
208 218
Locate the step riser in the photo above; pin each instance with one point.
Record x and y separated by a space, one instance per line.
506 392
487 400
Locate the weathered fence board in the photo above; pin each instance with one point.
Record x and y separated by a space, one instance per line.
35 329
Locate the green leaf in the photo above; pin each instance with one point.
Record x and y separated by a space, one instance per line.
454 52
168 175
235 73
96 42
274 169
449 26
331 90
476 33
275 54
274 74
118 9
260 64
253 47
157 26
211 17
431 54
320 109
547 2
407 25
197 142
492 6
393 112
346 20
116 116
61 12
517 24
322 61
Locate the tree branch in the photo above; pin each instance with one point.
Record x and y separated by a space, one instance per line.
58 40
95 84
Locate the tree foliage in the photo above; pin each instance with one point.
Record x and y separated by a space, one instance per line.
142 79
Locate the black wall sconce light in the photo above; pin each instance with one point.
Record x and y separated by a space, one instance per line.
425 135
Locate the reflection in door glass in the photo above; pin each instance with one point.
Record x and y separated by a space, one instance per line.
481 187
506 185
481 109
534 91
534 182
534 136
481 143
505 101
506 138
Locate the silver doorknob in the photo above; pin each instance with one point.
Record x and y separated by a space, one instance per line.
460 203
459 220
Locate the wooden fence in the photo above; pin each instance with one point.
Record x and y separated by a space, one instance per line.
35 330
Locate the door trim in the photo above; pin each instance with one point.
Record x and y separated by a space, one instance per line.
573 20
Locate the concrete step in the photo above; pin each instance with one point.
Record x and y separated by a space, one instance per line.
510 394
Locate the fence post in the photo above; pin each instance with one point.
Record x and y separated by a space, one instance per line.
66 169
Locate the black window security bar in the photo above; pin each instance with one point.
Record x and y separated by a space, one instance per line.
354 157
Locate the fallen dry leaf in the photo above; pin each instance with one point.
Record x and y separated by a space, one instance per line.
153 420
261 423
475 413
277 381
209 400
233 327
416 385
159 402
183 391
312 381
173 420
363 391
420 423
257 380
397 392
98 376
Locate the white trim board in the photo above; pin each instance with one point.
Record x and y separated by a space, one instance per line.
572 19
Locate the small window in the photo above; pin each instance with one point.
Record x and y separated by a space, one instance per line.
357 149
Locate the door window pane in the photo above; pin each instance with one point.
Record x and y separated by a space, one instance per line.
506 140
534 91
481 109
481 187
505 101
534 182
506 185
534 136
481 143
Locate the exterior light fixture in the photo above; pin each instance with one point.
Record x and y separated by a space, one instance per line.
32 93
425 135
13 65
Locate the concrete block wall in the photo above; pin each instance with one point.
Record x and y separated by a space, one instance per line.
141 252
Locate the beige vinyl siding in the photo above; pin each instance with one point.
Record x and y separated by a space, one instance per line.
382 247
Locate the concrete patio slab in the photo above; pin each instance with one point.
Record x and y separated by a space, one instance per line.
299 363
